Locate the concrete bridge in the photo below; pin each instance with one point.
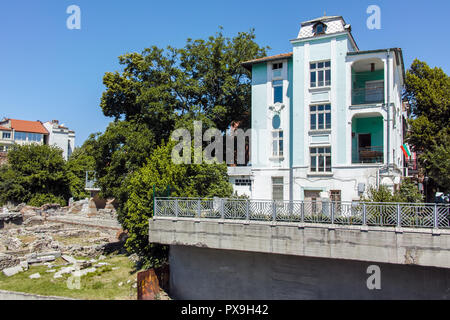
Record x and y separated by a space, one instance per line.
246 249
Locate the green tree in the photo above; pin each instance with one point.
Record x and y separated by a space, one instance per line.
34 172
159 86
80 161
163 89
428 91
122 149
184 181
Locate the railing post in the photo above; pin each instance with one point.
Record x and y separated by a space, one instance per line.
435 217
199 208
222 212
247 210
176 208
364 215
399 217
303 211
332 212
274 211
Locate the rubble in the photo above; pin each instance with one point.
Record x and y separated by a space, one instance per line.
31 235
35 276
8 261
9 272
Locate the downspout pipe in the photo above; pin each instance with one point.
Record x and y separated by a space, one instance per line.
291 151
388 109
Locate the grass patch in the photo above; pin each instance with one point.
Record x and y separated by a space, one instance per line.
100 285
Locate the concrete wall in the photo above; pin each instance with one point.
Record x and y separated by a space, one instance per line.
201 273
424 247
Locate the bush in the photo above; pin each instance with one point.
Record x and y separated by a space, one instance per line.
408 192
39 200
204 180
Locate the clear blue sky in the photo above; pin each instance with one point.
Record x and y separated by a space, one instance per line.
49 72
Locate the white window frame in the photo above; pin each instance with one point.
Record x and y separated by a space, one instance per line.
317 155
316 71
317 112
277 141
6 135
278 185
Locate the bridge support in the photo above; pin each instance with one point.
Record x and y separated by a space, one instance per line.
202 273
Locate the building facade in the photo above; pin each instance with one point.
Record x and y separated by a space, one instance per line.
326 117
61 137
23 132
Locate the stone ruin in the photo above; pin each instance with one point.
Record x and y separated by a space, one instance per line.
31 235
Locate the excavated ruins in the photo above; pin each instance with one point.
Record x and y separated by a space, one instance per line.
30 235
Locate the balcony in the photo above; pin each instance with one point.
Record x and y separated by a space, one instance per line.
367 138
372 94
371 154
367 82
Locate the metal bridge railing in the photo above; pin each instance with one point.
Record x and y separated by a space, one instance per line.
411 215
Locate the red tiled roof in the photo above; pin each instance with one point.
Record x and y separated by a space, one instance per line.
5 128
28 126
247 64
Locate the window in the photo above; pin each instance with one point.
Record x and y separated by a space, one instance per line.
321 159
277 91
277 66
276 69
320 117
335 195
6 135
20 136
320 74
277 145
319 28
277 188
243 182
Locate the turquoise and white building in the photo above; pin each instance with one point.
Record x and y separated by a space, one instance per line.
327 118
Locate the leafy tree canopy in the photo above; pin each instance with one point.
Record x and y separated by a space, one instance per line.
159 86
163 89
428 91
34 172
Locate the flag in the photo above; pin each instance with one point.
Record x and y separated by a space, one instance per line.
406 151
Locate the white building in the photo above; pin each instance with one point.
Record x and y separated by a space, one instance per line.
326 117
61 137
